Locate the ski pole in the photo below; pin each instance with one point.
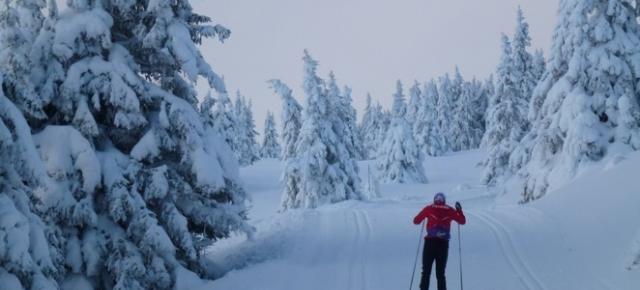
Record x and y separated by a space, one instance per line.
460 256
415 262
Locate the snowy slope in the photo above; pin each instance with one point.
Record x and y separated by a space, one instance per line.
579 237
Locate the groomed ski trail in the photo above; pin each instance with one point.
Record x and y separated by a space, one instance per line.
509 250
371 245
361 239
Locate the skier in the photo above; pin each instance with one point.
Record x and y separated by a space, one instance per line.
436 246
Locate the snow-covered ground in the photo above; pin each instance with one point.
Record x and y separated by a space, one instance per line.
578 237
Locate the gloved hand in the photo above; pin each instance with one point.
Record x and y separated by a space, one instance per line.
458 206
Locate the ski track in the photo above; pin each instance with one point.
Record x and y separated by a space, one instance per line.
365 248
357 266
508 247
354 248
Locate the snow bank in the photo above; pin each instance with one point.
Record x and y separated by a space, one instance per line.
591 223
273 239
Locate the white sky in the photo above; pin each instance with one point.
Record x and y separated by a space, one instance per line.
369 44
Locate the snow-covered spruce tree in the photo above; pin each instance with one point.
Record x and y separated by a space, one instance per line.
587 99
449 93
270 145
506 119
465 126
422 120
252 133
489 89
444 109
369 127
415 101
344 117
291 118
373 128
483 94
27 261
522 153
399 159
456 87
468 124
247 149
425 129
225 120
526 72
561 49
240 137
480 99
20 22
322 165
352 135
136 184
538 66
523 73
560 54
46 70
385 122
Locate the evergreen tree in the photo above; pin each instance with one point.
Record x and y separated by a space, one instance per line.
522 153
345 114
46 69
467 127
270 146
134 183
27 258
523 73
425 129
444 110
291 123
506 121
291 118
374 126
415 101
344 117
587 100
399 159
352 135
226 121
482 92
465 105
245 139
385 123
456 87
369 128
20 22
538 66
252 133
526 73
489 89
323 167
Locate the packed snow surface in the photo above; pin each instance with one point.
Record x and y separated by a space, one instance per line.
581 236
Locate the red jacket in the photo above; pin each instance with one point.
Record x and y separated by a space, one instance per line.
439 220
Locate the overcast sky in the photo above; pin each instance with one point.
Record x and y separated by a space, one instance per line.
369 44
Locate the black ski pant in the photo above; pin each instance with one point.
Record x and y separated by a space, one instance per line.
434 250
